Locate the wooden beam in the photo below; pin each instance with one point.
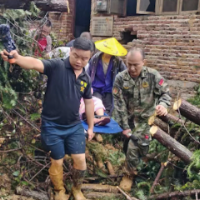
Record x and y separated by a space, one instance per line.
46 5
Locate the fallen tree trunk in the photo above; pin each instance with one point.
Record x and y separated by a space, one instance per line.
165 126
187 110
99 188
174 194
171 118
45 5
30 193
175 147
102 195
158 122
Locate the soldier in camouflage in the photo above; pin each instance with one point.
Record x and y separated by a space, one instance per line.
138 92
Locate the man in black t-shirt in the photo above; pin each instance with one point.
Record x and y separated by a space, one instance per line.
61 131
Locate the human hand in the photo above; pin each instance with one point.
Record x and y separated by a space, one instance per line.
90 134
5 54
126 132
161 110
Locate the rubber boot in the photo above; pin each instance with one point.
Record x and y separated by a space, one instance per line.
78 176
56 176
126 183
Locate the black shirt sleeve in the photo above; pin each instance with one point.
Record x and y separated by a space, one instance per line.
88 93
49 66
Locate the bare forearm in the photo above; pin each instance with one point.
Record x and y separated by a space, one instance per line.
30 63
89 110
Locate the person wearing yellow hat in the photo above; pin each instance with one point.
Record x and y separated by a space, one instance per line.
103 68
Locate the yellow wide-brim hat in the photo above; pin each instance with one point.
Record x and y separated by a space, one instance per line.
111 46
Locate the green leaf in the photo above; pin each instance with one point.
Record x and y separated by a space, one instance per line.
35 116
16 173
33 141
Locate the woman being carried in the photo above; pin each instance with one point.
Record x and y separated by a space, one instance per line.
99 118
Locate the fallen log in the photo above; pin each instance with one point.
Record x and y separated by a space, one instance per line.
187 110
30 193
175 147
164 125
174 194
102 195
45 5
169 118
96 178
158 122
99 188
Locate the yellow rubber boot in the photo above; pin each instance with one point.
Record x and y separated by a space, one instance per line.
78 176
126 183
56 176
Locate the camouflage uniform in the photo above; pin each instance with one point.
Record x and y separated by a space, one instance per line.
135 101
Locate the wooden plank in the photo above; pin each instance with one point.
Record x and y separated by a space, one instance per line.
146 6
43 5
158 9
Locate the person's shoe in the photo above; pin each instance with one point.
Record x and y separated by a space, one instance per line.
126 183
56 176
101 121
77 194
61 196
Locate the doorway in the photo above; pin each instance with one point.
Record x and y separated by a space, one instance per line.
82 17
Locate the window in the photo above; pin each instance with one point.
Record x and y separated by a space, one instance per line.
168 7
146 6
189 6
118 7
160 7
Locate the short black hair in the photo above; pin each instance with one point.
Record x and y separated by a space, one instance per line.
86 35
84 44
46 22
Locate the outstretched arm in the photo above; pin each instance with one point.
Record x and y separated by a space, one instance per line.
24 62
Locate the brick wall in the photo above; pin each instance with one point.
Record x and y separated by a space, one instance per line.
63 23
171 44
